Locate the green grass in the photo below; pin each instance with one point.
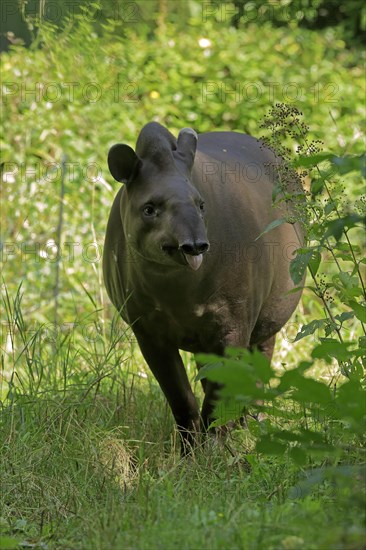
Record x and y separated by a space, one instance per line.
90 460
70 480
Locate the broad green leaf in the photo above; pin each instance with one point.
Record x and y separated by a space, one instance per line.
209 361
362 341
293 378
336 228
269 447
271 226
298 455
226 410
329 328
305 486
302 436
238 379
237 353
338 350
310 328
262 367
344 316
314 477
329 207
311 391
241 370
308 161
347 280
314 262
311 436
351 404
298 266
296 289
359 310
275 411
345 257
350 163
317 185
226 372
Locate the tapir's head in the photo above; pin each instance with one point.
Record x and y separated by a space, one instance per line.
163 214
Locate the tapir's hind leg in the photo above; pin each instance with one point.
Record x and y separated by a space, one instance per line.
267 347
211 389
211 394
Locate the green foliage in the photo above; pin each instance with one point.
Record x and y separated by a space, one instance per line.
346 19
334 419
332 424
331 420
349 18
330 217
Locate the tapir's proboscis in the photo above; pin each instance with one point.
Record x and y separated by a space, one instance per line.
182 260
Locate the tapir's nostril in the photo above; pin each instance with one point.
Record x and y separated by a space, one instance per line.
202 247
194 248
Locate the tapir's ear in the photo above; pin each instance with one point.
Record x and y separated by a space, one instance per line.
187 145
122 162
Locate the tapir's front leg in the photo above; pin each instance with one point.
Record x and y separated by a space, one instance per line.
168 368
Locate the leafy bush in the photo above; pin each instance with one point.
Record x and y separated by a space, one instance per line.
349 18
330 418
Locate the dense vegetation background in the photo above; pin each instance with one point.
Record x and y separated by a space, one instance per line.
89 452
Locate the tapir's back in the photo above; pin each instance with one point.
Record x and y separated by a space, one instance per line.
236 173
246 149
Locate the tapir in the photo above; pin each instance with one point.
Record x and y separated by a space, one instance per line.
187 261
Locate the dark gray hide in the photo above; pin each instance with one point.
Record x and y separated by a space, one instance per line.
181 260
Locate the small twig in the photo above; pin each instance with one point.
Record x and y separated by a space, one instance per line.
56 289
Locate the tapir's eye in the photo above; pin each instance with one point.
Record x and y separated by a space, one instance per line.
149 210
202 206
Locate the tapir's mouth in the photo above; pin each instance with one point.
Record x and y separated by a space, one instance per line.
194 261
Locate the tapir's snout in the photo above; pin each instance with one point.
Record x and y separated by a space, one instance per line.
194 247
191 252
